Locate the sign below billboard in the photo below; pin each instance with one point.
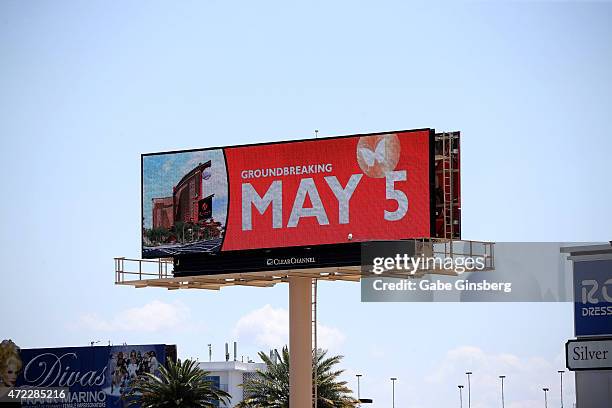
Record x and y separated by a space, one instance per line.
594 354
298 194
593 298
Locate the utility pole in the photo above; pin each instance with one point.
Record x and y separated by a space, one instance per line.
502 389
561 374
469 389
393 379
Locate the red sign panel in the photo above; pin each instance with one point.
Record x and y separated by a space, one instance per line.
318 192
303 193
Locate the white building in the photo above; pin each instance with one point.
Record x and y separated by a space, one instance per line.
229 375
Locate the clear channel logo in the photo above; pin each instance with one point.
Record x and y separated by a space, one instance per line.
290 261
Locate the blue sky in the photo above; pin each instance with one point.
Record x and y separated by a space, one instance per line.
89 86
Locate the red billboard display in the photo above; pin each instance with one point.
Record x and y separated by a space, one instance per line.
318 192
289 194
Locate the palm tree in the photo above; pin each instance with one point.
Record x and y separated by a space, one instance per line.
180 384
270 387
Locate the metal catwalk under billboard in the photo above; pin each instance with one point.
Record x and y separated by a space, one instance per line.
95 376
289 194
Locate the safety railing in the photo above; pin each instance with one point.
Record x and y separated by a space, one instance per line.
139 269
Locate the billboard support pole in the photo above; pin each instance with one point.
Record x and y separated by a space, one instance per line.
300 342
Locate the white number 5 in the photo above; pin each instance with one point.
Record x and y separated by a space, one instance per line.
397 195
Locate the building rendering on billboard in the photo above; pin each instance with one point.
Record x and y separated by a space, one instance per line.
297 194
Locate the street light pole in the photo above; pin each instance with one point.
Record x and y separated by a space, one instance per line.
460 396
561 374
358 388
545 397
502 389
469 389
393 379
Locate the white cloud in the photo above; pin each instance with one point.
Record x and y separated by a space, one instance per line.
151 317
268 327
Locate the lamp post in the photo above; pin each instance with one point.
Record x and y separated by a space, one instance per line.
460 396
501 377
358 388
561 374
468 373
545 389
393 379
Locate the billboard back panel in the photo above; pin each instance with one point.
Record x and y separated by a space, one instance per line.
289 194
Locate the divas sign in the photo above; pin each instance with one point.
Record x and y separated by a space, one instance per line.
53 370
303 193
94 376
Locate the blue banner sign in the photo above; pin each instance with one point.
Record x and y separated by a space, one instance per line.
593 298
96 377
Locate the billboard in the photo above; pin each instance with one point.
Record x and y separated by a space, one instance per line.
593 298
295 194
95 376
